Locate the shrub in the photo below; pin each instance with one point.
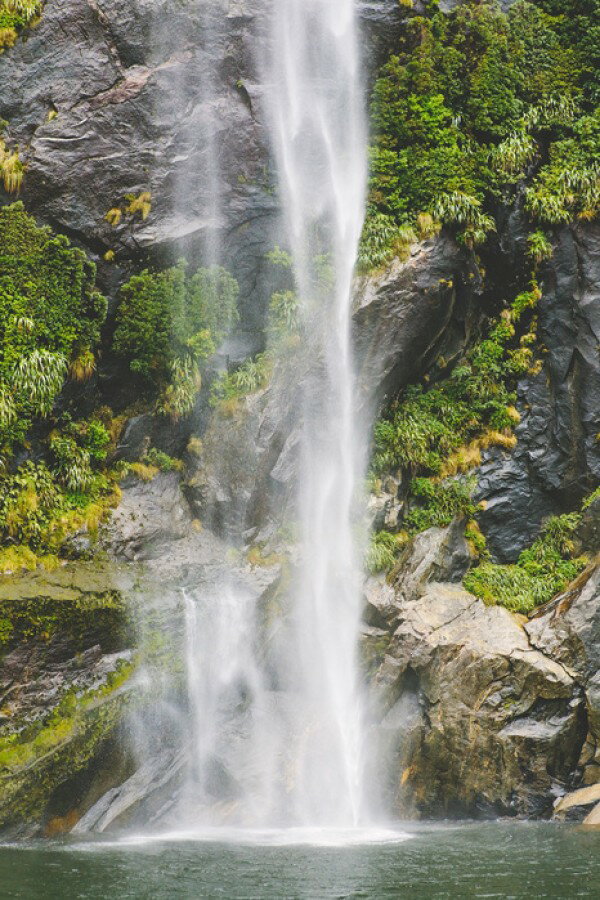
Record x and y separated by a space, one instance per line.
439 503
50 318
469 100
383 551
541 572
167 323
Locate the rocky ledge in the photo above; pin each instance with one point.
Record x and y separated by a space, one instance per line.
482 711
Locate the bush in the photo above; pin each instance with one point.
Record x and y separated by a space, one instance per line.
469 100
541 572
439 503
383 551
168 323
50 314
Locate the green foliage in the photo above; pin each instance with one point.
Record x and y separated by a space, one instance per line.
28 501
15 15
168 323
541 572
595 495
251 377
382 552
50 313
381 240
437 503
72 463
469 101
539 247
162 461
426 424
284 315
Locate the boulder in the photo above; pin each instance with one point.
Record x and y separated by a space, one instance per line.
150 515
474 720
568 629
577 801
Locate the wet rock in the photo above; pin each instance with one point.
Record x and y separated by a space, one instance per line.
557 457
593 817
568 629
438 554
64 682
150 515
473 719
588 533
402 315
577 801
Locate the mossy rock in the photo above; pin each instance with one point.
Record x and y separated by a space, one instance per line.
32 770
82 603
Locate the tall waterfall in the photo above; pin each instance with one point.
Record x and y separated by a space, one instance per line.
317 121
283 724
268 732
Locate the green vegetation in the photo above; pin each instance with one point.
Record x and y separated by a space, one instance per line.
477 102
168 324
435 434
50 321
440 429
438 503
50 316
250 377
14 16
540 573
383 551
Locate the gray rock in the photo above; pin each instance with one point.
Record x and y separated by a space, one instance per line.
557 458
401 316
150 515
569 631
474 720
438 554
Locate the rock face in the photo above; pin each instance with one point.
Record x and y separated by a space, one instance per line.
569 631
150 515
65 672
406 315
476 718
557 458
116 97
136 112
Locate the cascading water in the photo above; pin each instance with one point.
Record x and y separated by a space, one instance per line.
285 723
316 116
269 734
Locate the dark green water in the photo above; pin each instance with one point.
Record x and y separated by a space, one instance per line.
490 860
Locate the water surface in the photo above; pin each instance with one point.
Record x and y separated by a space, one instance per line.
475 860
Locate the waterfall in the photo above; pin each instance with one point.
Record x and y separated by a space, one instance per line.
268 730
283 724
317 121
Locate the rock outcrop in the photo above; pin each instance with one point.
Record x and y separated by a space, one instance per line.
65 677
557 457
479 717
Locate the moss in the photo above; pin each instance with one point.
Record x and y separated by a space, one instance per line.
77 601
258 557
32 766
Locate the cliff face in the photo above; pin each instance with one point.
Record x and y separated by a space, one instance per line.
481 711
